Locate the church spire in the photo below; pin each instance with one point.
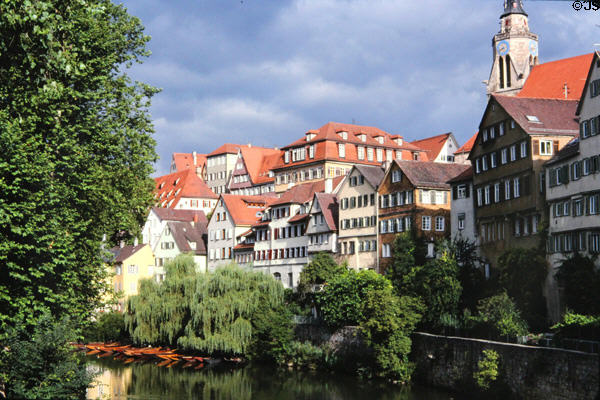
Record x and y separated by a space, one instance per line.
513 7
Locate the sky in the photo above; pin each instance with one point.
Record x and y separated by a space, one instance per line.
266 71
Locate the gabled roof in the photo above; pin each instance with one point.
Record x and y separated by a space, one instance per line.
259 161
466 148
556 117
330 209
186 232
373 174
123 253
586 86
466 175
569 150
433 145
243 209
547 81
170 214
171 188
430 174
304 192
183 161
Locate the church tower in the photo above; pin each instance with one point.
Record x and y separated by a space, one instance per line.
515 51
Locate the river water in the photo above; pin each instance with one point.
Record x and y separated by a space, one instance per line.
256 382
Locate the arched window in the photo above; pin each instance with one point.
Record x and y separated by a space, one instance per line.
277 276
501 71
507 71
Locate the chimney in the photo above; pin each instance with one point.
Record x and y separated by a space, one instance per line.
328 185
194 155
195 221
135 241
121 244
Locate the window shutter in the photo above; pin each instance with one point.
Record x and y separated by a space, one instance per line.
555 144
536 147
502 191
467 190
445 197
421 196
525 185
454 192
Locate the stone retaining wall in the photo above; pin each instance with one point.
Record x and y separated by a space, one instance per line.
530 372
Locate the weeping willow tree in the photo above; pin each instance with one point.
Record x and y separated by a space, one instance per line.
208 312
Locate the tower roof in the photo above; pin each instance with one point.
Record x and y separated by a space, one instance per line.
513 7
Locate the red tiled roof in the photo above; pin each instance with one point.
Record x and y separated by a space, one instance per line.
466 148
170 214
243 209
259 161
466 175
432 145
185 232
556 117
305 191
171 188
186 160
548 80
227 148
327 138
330 208
430 174
123 253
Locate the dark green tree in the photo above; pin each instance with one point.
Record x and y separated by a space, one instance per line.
342 301
321 269
580 280
42 365
77 151
436 284
521 273
498 318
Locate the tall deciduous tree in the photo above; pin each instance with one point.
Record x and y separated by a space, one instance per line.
77 150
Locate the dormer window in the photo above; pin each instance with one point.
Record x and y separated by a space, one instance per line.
399 141
362 137
343 135
162 184
310 136
379 139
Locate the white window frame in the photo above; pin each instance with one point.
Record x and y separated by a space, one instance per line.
440 223
425 223
546 148
504 156
516 188
342 150
513 152
523 149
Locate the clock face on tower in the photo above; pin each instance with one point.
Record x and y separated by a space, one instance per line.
502 47
533 48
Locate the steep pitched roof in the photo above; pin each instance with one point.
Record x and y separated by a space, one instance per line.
304 192
430 174
548 80
466 175
171 188
556 117
259 161
330 208
243 209
466 148
170 214
185 232
123 253
183 161
432 145
586 86
373 174
569 150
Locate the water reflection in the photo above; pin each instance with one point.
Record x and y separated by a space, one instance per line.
147 381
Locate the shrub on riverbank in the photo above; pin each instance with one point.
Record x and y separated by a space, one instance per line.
108 327
41 364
